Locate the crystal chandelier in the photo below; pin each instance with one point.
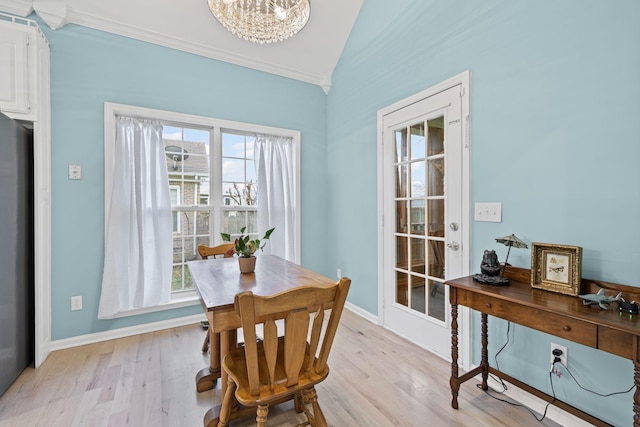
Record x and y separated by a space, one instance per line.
261 21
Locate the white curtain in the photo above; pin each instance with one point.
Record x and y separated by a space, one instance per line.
138 240
276 193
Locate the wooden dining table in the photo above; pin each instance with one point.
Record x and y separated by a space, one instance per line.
217 282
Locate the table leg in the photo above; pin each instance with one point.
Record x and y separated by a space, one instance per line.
207 378
485 353
636 394
455 384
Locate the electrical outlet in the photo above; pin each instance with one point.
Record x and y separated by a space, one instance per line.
76 303
75 172
339 273
563 357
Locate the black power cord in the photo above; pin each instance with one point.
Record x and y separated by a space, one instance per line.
519 405
504 386
556 360
498 379
566 368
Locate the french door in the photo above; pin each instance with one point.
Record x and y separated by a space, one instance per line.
424 237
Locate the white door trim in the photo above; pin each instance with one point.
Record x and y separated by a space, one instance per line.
464 80
42 208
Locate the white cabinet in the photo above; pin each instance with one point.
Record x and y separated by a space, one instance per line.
22 46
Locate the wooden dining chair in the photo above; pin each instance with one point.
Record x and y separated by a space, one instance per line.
266 372
206 252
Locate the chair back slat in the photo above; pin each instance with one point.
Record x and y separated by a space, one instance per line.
316 329
245 302
296 306
296 328
334 319
271 348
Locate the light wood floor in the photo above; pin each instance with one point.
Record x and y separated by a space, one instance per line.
376 379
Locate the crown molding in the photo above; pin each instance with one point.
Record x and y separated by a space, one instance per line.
102 24
57 13
53 13
17 7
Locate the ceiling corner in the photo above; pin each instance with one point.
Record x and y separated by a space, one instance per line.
53 13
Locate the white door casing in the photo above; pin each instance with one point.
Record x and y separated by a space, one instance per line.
424 228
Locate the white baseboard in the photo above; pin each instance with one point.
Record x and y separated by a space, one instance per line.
536 404
360 312
126 332
157 326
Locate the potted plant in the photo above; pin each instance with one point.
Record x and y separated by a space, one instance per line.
245 247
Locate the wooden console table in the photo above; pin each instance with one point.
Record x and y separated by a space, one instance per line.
556 314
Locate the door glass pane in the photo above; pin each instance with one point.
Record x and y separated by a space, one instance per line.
436 177
417 141
436 217
401 216
418 297
402 284
401 180
436 259
417 256
417 217
402 257
418 177
435 136
436 300
401 145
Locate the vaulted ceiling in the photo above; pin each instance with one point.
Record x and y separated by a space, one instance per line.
188 25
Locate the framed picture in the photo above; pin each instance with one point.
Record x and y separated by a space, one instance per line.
556 268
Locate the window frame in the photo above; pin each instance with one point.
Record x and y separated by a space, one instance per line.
217 126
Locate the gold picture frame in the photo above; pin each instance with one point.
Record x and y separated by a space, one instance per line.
556 268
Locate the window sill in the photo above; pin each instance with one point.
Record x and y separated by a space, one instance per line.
179 300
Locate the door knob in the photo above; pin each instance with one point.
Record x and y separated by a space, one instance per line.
454 226
454 246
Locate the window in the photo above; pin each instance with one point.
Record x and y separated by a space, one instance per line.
212 180
239 184
188 167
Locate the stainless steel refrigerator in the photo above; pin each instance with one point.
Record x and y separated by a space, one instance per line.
16 250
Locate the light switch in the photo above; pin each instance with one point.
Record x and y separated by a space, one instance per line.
75 172
489 212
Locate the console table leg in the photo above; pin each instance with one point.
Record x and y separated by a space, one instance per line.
636 394
485 353
455 385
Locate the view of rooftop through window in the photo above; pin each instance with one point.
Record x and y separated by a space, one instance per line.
188 166
202 192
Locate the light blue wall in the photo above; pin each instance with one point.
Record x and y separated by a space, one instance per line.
89 67
555 138
555 102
